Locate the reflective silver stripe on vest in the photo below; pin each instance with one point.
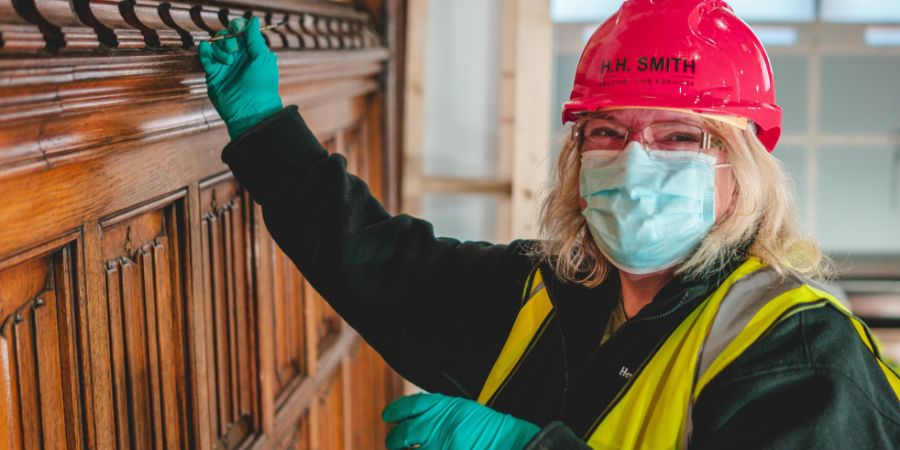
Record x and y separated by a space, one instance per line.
535 290
744 299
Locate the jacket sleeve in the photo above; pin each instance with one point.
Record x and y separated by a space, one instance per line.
811 383
437 309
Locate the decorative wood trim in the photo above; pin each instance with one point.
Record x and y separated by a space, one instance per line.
42 125
44 102
16 33
39 249
77 25
136 210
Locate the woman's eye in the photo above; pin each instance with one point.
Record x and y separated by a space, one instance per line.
682 137
605 132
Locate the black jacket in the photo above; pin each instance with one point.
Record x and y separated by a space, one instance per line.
438 310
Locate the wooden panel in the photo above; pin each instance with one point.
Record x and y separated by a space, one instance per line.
330 409
297 438
354 141
143 257
289 328
231 340
327 323
361 367
40 390
143 304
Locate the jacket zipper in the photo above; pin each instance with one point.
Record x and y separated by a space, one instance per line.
637 372
565 396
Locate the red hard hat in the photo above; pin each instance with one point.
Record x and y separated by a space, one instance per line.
685 54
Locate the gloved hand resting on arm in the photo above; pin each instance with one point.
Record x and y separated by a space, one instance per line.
439 422
241 76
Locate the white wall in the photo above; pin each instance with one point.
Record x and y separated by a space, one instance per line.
462 87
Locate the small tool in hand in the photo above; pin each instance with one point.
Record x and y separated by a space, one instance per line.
225 36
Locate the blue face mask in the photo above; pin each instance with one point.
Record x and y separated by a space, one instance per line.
645 212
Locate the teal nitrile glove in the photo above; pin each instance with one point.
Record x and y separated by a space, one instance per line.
435 421
241 76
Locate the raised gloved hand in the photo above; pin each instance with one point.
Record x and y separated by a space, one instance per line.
435 421
241 76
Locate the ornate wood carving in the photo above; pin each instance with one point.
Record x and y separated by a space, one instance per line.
330 408
231 344
144 264
178 17
289 304
16 33
207 18
137 24
147 16
40 388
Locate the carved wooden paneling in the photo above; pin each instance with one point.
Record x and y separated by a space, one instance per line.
326 322
144 264
143 304
231 340
289 327
351 143
40 389
298 437
361 368
330 409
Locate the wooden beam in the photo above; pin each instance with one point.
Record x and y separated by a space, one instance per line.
468 186
414 105
525 95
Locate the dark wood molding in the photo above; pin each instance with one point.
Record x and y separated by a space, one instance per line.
99 25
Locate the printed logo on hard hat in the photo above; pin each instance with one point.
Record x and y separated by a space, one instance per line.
680 71
650 64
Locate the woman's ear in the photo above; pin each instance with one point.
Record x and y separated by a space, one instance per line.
582 203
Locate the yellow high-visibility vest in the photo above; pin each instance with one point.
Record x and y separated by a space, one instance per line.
653 409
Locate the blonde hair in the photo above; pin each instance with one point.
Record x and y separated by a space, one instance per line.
761 221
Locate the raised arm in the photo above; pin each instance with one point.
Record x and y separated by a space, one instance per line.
437 309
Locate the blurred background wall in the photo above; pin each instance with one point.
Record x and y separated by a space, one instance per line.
486 81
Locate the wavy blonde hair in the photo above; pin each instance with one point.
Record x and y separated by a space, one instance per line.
761 221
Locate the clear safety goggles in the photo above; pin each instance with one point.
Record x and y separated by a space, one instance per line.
599 133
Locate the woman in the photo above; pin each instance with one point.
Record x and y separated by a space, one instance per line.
670 303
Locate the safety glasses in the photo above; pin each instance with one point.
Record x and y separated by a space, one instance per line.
600 133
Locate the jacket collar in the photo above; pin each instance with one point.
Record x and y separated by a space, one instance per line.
572 298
